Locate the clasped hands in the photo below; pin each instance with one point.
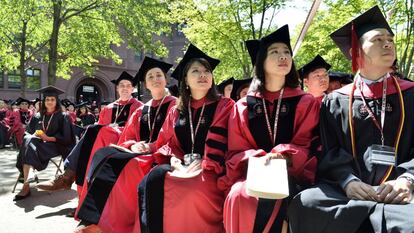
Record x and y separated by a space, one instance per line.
397 191
141 147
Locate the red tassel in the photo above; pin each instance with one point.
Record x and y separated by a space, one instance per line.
355 50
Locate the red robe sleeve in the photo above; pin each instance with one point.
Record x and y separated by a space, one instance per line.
130 135
216 141
105 115
242 144
167 144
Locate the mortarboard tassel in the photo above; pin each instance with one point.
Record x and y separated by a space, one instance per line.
354 49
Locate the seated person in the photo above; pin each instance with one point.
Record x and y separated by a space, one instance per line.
366 169
49 134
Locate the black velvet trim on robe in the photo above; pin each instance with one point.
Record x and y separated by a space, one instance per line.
259 131
84 148
183 132
151 199
144 132
123 115
106 166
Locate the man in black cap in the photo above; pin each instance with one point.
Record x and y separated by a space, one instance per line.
49 134
315 77
21 117
366 170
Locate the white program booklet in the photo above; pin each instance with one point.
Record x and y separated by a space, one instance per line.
267 180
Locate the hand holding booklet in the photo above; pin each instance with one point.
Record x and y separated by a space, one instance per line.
267 180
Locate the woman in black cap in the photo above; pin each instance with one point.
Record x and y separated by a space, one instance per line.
84 117
49 134
119 196
188 199
366 171
275 120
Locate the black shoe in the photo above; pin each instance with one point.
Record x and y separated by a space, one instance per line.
21 197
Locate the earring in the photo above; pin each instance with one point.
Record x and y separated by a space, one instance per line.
187 87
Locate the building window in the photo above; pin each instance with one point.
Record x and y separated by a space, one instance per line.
14 79
1 78
33 79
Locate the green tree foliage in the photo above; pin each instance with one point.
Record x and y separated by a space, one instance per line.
338 12
22 34
220 27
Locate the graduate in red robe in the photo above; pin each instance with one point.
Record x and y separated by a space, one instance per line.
21 117
112 199
276 120
177 198
366 171
111 122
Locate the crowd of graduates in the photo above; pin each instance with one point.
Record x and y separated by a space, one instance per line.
179 163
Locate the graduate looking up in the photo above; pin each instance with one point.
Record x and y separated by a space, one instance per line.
367 165
275 120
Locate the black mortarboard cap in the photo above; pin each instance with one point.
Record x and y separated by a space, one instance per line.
223 84
149 63
192 52
239 84
21 100
371 19
173 89
124 76
253 48
343 78
280 35
316 63
66 103
50 91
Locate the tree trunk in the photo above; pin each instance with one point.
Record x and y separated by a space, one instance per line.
23 76
53 42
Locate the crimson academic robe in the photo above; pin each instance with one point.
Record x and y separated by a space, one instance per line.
112 197
106 135
72 117
102 134
36 152
249 137
327 203
173 204
21 119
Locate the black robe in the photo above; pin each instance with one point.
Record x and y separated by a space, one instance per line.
36 152
327 203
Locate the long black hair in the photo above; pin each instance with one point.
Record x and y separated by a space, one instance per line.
258 83
43 109
185 93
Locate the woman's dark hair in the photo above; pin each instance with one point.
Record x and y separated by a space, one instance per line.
43 109
79 110
258 83
185 94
